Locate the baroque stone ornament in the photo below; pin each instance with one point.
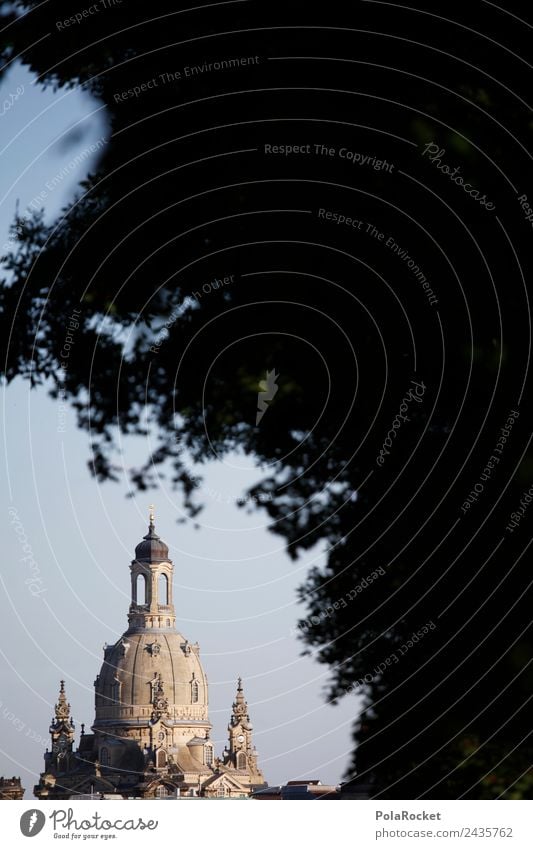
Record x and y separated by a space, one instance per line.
62 709
160 702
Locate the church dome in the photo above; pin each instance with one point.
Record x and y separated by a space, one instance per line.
152 549
151 733
151 673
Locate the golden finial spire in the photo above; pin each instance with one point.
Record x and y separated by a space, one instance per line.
152 516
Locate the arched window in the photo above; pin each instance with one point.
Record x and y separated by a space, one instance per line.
221 790
241 760
140 590
208 755
168 623
161 758
104 756
195 692
162 593
116 691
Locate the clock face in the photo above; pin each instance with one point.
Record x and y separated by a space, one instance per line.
240 738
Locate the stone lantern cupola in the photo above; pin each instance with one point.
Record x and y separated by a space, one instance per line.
151 584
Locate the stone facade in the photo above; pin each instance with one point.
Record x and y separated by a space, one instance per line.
11 789
150 737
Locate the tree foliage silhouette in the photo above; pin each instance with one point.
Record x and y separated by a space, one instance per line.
200 262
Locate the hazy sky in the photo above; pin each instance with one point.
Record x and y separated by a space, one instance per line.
234 586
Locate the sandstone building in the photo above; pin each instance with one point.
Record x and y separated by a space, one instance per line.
150 737
11 789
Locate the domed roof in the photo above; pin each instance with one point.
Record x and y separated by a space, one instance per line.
152 549
143 663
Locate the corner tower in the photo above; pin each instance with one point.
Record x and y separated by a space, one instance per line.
241 753
61 731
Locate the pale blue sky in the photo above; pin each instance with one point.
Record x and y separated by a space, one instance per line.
234 585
